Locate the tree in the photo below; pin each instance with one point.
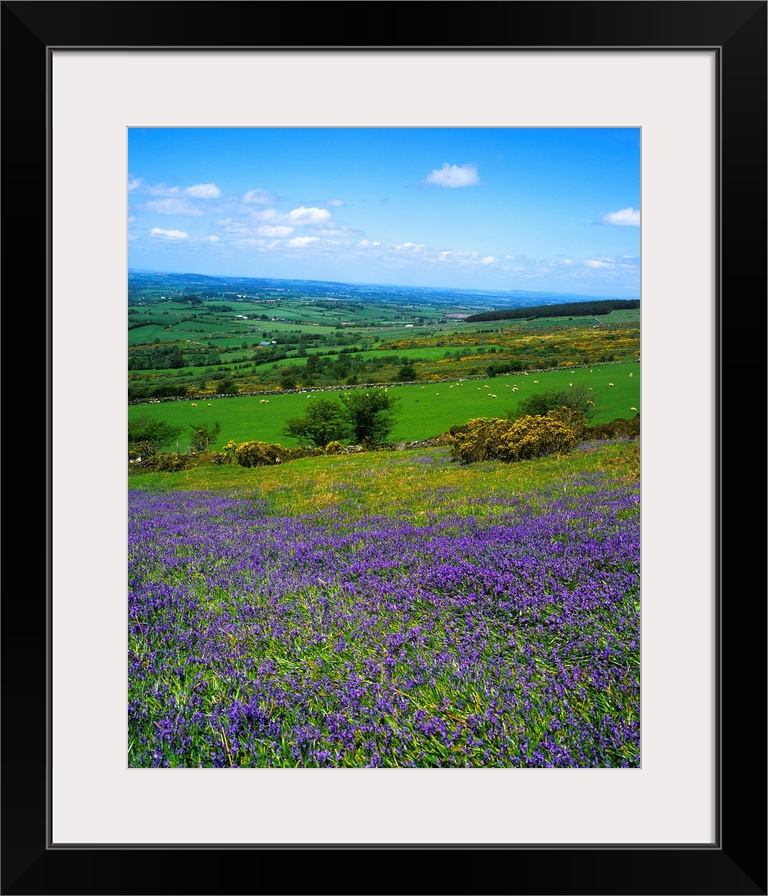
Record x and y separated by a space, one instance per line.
371 415
151 434
407 373
203 434
325 421
226 386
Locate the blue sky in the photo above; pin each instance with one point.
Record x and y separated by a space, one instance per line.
553 209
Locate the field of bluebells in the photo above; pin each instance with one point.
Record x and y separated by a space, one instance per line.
486 626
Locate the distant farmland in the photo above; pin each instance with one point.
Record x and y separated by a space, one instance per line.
426 410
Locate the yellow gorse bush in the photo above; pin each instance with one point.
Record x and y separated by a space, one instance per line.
532 436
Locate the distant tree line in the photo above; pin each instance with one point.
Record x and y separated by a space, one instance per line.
569 309
164 357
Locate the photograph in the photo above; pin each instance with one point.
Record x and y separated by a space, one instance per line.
346 345
384 447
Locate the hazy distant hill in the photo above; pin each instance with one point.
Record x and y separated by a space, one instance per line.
156 286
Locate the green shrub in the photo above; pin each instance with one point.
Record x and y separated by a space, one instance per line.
576 398
259 454
302 451
203 434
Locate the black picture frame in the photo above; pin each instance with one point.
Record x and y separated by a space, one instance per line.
736 862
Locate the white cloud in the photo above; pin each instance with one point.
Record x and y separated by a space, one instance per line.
203 191
308 215
625 217
599 262
453 176
489 259
302 240
172 206
267 214
335 203
132 219
162 190
134 184
211 239
169 234
259 197
277 230
332 231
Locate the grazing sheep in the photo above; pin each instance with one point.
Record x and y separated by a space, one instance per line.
491 395
633 409
570 384
194 405
210 405
610 384
630 374
535 381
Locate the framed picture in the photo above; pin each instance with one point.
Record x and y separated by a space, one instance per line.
691 77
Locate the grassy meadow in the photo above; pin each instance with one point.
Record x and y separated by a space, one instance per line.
426 409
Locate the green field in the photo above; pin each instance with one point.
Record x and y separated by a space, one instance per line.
426 410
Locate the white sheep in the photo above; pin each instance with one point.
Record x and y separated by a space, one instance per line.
633 409
194 405
610 384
